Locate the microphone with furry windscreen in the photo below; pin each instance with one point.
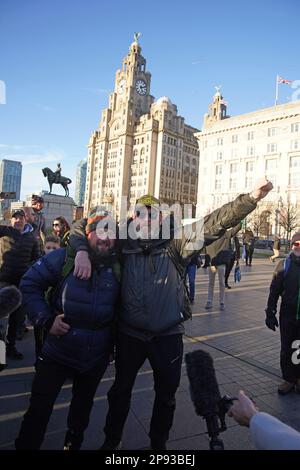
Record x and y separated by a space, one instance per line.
205 395
10 300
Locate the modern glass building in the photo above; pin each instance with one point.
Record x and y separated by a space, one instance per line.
10 180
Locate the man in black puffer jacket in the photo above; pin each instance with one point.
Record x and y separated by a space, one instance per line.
78 320
18 249
152 312
286 283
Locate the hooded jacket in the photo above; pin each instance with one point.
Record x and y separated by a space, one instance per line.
17 251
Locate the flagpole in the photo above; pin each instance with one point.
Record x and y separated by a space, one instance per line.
276 94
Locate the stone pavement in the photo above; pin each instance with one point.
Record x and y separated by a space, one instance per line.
245 353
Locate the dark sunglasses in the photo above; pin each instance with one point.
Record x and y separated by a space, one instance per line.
55 225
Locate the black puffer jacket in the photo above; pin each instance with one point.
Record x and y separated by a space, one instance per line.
17 251
285 283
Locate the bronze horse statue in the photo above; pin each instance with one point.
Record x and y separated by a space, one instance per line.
52 179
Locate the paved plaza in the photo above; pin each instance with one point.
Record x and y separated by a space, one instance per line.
245 353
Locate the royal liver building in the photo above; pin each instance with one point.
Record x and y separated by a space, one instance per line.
141 145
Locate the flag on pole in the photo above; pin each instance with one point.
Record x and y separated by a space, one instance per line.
283 80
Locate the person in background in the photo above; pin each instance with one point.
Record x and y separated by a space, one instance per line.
39 224
18 249
248 242
235 257
267 432
52 242
220 253
285 283
29 223
276 249
191 271
61 229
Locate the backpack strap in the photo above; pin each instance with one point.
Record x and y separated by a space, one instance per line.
67 268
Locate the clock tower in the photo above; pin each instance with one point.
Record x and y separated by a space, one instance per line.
132 87
140 146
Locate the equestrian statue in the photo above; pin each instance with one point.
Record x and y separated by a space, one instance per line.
54 177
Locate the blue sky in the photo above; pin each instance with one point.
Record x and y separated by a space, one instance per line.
58 60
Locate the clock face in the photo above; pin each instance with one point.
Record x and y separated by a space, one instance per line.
141 87
121 86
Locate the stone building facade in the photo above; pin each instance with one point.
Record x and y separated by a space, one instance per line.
141 145
235 151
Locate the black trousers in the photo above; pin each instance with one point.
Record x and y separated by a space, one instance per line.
48 380
289 332
15 322
249 254
228 270
165 356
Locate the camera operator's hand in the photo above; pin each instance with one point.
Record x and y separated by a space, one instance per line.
243 409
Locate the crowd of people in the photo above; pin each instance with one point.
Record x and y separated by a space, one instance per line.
90 294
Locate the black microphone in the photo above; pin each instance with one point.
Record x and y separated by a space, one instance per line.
10 300
204 388
205 394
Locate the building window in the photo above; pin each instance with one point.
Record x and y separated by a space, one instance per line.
250 135
249 166
272 131
271 164
248 182
220 141
232 184
217 184
271 148
295 144
233 167
219 155
294 178
234 153
295 127
218 169
295 163
250 151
